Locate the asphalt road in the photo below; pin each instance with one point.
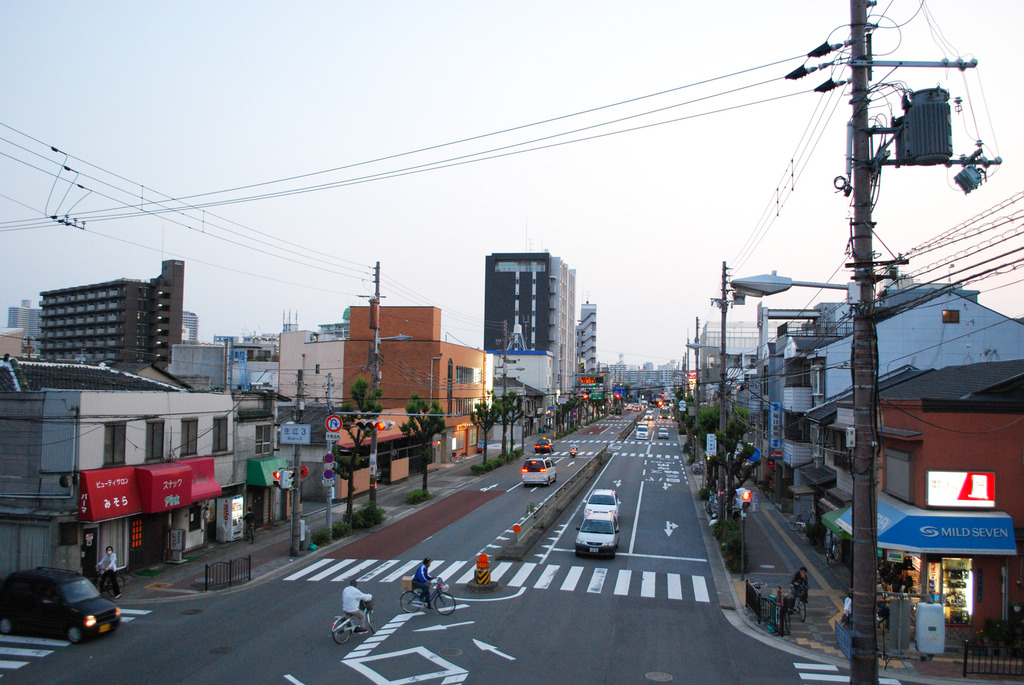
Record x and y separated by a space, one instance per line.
648 615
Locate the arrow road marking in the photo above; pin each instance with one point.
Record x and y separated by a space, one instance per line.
493 485
490 648
670 527
666 486
443 626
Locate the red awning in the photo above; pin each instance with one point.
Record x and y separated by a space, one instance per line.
164 486
107 494
204 485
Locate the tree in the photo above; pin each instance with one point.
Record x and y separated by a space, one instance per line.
510 409
736 452
363 406
485 416
425 421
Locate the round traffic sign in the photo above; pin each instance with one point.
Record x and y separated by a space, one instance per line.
329 457
333 423
303 472
328 474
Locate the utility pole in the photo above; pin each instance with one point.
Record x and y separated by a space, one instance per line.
330 448
698 450
504 382
723 510
863 661
375 379
296 489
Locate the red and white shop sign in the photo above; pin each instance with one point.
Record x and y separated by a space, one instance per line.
963 489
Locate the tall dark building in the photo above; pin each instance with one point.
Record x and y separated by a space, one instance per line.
538 292
124 320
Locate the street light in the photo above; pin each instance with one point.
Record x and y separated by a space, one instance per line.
771 284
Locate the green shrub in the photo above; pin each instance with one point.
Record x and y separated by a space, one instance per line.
731 543
321 537
704 493
417 496
341 530
368 516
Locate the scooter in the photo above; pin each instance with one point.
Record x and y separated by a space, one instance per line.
572 452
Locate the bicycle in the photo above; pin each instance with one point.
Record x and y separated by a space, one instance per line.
123 580
344 626
458 459
439 599
797 601
250 532
832 553
797 522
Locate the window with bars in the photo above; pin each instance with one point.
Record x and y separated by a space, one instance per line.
154 440
264 439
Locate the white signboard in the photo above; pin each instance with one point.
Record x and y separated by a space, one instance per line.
961 489
295 434
712 445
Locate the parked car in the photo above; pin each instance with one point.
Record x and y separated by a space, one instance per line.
539 471
598 535
663 434
602 501
57 601
543 445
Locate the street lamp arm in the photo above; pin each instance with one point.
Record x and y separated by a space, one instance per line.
772 284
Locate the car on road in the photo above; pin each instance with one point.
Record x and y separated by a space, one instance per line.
602 501
539 471
57 601
543 445
663 434
598 535
641 432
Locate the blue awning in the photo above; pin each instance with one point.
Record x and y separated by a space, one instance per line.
928 531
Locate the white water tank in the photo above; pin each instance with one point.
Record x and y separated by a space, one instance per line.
931 628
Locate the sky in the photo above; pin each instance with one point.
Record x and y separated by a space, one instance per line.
282 149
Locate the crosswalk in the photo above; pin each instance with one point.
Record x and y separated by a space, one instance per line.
529 575
18 651
811 672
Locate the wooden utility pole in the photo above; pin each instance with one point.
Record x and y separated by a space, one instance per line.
375 379
723 487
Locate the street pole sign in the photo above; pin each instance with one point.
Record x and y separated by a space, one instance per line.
295 434
712 444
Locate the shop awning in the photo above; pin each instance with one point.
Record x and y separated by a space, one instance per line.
204 484
164 486
929 531
817 475
107 494
829 519
260 470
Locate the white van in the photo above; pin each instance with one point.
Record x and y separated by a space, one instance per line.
642 432
539 471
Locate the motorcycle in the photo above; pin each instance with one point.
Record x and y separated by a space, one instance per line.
572 452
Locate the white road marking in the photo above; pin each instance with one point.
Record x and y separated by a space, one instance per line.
622 582
700 589
572 578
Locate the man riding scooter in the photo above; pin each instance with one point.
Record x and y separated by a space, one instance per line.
573 449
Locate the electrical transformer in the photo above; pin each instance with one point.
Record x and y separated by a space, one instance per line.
924 134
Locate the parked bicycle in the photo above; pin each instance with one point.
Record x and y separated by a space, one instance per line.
439 599
832 552
343 626
797 522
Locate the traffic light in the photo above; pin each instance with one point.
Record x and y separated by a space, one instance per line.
277 478
286 479
746 498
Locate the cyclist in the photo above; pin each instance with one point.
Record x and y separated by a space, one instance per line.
799 585
250 524
350 599
421 580
108 568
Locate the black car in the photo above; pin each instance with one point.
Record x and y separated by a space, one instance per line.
53 600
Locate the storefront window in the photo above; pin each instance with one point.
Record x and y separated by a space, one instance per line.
954 579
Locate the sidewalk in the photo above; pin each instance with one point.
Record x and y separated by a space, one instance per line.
774 553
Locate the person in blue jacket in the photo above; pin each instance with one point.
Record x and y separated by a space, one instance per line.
421 580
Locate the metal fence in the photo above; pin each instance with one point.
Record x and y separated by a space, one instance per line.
221 573
993 660
769 610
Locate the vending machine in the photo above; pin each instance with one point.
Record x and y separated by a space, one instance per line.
229 518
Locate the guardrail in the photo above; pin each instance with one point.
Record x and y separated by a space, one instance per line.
221 573
567 490
993 660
